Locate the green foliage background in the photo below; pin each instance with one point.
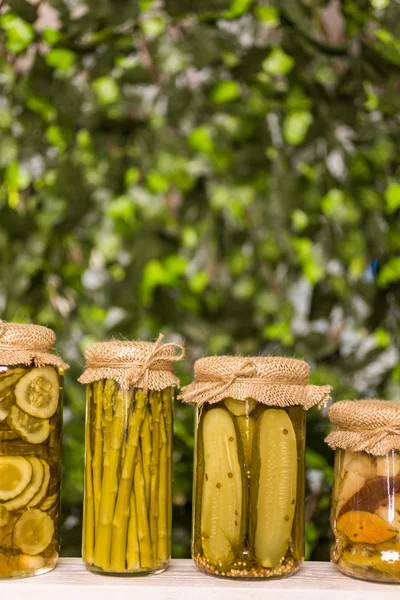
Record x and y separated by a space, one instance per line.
223 171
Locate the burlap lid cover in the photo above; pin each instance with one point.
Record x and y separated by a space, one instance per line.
365 425
147 365
271 380
22 344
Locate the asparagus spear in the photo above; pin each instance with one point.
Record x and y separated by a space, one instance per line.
121 515
162 525
88 534
146 449
155 408
109 486
143 529
97 453
167 396
132 546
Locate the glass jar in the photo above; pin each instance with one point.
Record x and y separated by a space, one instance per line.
248 519
30 443
127 516
365 515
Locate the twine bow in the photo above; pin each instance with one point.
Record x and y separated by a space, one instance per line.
149 362
373 436
220 385
137 371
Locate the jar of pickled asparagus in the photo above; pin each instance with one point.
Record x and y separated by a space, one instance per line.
365 514
248 490
31 379
127 516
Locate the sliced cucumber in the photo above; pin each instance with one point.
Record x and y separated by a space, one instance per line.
32 489
276 450
4 515
37 392
240 408
8 435
3 414
8 379
15 476
39 496
49 502
33 531
31 429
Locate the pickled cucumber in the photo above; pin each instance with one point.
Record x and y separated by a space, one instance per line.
37 392
31 429
31 489
246 427
4 515
240 408
3 414
275 502
49 502
23 538
8 379
15 476
33 531
41 493
222 497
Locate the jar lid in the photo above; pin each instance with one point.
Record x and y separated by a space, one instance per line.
365 425
26 344
147 365
272 380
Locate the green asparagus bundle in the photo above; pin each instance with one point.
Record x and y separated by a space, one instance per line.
128 503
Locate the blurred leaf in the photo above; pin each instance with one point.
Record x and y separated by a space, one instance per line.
19 33
225 91
392 197
107 90
278 62
295 127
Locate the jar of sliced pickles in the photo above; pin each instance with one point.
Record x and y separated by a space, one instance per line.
127 516
248 498
31 379
365 514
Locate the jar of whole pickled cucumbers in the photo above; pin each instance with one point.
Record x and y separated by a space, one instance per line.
31 380
365 515
127 516
248 490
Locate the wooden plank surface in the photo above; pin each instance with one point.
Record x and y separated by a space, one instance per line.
71 581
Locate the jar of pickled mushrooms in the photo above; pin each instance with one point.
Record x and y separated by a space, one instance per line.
127 516
248 517
365 515
31 381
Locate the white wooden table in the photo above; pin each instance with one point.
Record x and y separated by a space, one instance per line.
71 581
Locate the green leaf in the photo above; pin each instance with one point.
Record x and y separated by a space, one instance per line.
60 59
153 27
269 15
390 272
225 91
200 139
157 182
51 36
19 33
392 197
295 127
55 137
107 90
278 63
380 4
